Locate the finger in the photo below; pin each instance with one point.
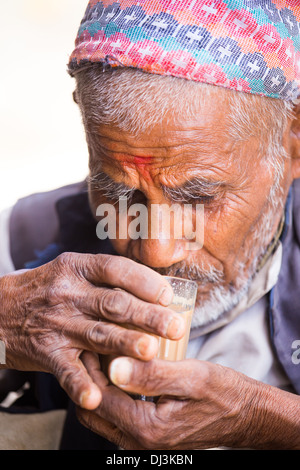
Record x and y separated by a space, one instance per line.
107 430
91 362
121 307
108 338
77 383
126 418
185 379
118 271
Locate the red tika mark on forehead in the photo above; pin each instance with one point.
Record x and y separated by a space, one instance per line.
142 160
137 160
140 163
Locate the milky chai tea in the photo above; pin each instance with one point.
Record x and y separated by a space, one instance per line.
185 293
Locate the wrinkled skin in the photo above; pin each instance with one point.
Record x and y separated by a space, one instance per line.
49 316
201 405
172 155
55 312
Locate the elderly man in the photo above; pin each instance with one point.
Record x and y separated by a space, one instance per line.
190 103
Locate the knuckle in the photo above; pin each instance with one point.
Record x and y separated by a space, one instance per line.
114 338
115 304
60 283
118 265
122 306
58 290
94 335
100 337
152 316
106 302
64 259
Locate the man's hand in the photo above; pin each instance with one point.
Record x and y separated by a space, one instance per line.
202 405
51 314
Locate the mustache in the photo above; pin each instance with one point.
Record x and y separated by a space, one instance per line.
192 271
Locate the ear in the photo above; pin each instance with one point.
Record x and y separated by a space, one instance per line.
295 143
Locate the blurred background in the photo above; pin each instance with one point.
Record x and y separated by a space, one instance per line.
42 143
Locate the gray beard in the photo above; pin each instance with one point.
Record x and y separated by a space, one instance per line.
220 298
223 298
220 301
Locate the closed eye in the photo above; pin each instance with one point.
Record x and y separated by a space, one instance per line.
194 191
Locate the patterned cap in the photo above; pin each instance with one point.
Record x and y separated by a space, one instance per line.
246 45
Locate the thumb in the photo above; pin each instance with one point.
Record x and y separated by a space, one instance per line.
158 377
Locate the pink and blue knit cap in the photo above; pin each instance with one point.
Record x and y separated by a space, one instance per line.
245 45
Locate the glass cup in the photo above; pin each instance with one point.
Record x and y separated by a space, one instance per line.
185 293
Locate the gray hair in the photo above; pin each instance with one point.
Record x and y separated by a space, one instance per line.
136 101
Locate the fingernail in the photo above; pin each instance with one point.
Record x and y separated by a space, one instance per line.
120 371
165 297
176 327
143 345
146 345
90 399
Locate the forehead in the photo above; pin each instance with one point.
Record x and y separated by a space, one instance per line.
180 146
191 119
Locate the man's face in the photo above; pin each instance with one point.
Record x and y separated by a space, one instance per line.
194 162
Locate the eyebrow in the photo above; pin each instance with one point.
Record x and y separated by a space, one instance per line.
200 189
195 189
110 188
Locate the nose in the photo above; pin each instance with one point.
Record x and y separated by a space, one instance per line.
161 247
159 253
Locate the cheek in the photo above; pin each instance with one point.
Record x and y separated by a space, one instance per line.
218 233
227 227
